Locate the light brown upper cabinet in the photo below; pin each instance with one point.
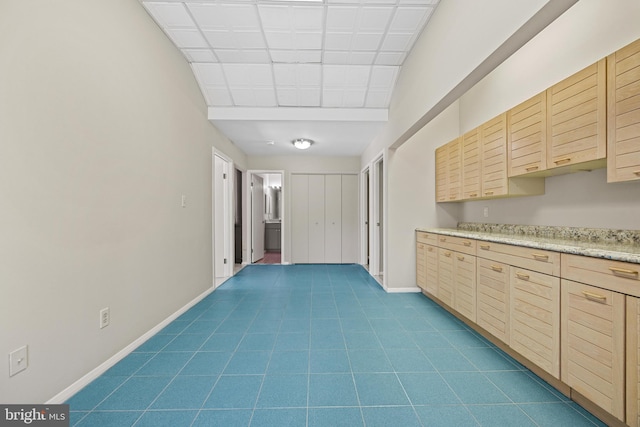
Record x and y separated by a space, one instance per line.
527 136
493 142
623 119
576 120
471 167
449 172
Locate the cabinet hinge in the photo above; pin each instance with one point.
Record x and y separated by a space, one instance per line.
224 176
225 261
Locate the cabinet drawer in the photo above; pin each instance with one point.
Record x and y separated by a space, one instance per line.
458 244
428 238
616 276
593 344
446 276
542 261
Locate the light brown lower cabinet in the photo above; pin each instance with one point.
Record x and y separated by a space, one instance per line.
431 264
593 324
421 265
492 311
535 318
465 285
445 276
633 361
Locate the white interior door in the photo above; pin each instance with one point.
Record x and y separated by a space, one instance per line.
349 219
316 219
376 264
333 219
299 219
222 218
257 218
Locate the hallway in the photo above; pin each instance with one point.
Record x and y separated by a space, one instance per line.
319 345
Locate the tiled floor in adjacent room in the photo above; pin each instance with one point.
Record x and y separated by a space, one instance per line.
318 345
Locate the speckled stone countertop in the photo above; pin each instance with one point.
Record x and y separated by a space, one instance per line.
618 245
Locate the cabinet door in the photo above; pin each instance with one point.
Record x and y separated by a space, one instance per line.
316 219
535 318
593 344
527 136
454 178
465 285
431 262
350 219
442 173
333 219
633 361
493 298
493 145
421 265
623 121
445 276
299 218
471 165
576 118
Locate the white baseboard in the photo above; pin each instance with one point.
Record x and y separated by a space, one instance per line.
68 392
412 289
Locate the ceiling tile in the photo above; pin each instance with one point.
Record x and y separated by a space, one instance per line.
265 97
199 55
225 16
296 56
338 41
362 58
397 42
367 41
243 56
375 18
342 18
332 98
377 99
390 58
383 77
218 96
297 74
287 96
169 15
354 98
253 75
335 57
187 38
409 19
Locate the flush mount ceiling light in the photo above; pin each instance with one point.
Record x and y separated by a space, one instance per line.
302 143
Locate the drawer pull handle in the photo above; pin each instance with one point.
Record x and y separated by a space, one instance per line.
563 160
496 268
488 193
476 194
460 258
636 172
420 246
540 256
430 249
522 276
532 168
447 254
466 243
595 297
485 247
623 271
443 239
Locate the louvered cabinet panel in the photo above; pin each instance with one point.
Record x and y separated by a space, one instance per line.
593 322
442 173
421 265
465 285
493 143
431 261
446 276
527 136
623 121
534 308
633 361
492 310
471 167
576 118
454 177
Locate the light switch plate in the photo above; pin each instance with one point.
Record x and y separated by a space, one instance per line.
18 360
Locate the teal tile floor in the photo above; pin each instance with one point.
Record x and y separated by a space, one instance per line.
319 345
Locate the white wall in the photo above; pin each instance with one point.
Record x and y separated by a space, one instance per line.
299 164
460 35
589 31
103 129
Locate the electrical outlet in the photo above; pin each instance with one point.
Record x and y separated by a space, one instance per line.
486 212
105 317
18 360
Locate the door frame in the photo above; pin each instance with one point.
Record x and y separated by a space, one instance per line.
249 217
365 214
226 221
377 259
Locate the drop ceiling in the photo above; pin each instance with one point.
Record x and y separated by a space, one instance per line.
280 70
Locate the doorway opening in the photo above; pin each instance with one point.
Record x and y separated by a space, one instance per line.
222 216
376 260
237 220
366 213
266 198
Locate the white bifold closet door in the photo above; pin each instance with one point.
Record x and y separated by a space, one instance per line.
324 218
